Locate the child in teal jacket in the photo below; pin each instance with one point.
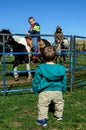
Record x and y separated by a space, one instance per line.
49 82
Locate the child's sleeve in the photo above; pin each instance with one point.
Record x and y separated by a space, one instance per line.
36 80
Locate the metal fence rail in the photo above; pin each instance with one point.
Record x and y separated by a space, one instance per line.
71 70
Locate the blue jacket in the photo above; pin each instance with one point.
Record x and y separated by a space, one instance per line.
49 77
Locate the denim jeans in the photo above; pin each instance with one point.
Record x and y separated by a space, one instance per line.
35 43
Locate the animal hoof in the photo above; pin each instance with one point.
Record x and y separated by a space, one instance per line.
16 79
29 79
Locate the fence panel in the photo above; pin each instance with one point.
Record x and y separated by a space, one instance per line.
74 67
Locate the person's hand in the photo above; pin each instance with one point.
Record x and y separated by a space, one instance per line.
27 33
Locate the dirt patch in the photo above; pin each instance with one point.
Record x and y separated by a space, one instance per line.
10 82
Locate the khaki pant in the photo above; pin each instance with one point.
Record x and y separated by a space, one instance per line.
45 99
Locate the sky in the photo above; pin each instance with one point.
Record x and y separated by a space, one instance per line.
69 14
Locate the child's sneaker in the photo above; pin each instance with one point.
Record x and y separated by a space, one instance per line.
42 122
59 118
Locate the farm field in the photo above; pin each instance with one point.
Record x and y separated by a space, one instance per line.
18 110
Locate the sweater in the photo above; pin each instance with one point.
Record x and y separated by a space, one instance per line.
49 77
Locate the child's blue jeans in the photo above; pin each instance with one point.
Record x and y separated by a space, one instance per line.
35 43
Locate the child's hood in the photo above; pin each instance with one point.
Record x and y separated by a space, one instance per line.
52 71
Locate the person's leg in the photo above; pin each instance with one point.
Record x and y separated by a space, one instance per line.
59 104
35 43
35 56
43 104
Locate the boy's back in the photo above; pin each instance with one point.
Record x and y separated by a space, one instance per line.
52 77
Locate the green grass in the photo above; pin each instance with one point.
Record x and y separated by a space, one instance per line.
18 111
